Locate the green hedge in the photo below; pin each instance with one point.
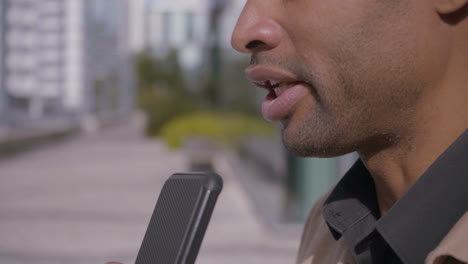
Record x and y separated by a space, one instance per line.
226 129
161 107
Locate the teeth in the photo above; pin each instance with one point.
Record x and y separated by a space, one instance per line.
277 87
274 84
279 90
271 84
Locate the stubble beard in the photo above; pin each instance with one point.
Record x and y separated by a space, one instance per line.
349 116
319 135
325 128
365 101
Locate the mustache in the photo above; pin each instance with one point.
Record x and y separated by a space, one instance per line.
289 64
256 59
253 60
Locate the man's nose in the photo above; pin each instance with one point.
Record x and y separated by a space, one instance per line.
255 32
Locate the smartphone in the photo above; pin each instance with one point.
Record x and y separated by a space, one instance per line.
180 218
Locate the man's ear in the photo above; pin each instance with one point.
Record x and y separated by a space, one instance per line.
447 7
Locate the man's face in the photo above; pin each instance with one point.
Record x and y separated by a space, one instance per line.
348 74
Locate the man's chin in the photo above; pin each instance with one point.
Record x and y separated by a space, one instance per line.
302 145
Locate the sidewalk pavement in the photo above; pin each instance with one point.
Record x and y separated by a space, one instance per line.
90 199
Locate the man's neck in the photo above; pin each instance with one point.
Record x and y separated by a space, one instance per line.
397 167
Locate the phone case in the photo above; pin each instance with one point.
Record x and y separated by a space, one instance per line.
180 218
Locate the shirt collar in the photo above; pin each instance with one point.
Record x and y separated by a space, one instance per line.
420 219
417 223
352 200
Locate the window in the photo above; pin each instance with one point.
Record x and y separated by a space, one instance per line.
166 27
190 26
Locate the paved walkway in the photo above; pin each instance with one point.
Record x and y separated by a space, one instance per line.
89 200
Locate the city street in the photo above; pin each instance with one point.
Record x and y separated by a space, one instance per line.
89 199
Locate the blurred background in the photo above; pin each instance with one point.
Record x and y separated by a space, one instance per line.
102 100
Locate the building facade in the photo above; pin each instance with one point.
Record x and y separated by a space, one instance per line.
180 25
137 17
33 49
64 58
3 94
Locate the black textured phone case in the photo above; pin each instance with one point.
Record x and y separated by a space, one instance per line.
180 219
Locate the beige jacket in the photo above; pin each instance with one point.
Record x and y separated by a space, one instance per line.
319 247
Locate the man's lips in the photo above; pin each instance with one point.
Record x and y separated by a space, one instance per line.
285 89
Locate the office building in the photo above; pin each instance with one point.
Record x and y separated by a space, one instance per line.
3 94
64 58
